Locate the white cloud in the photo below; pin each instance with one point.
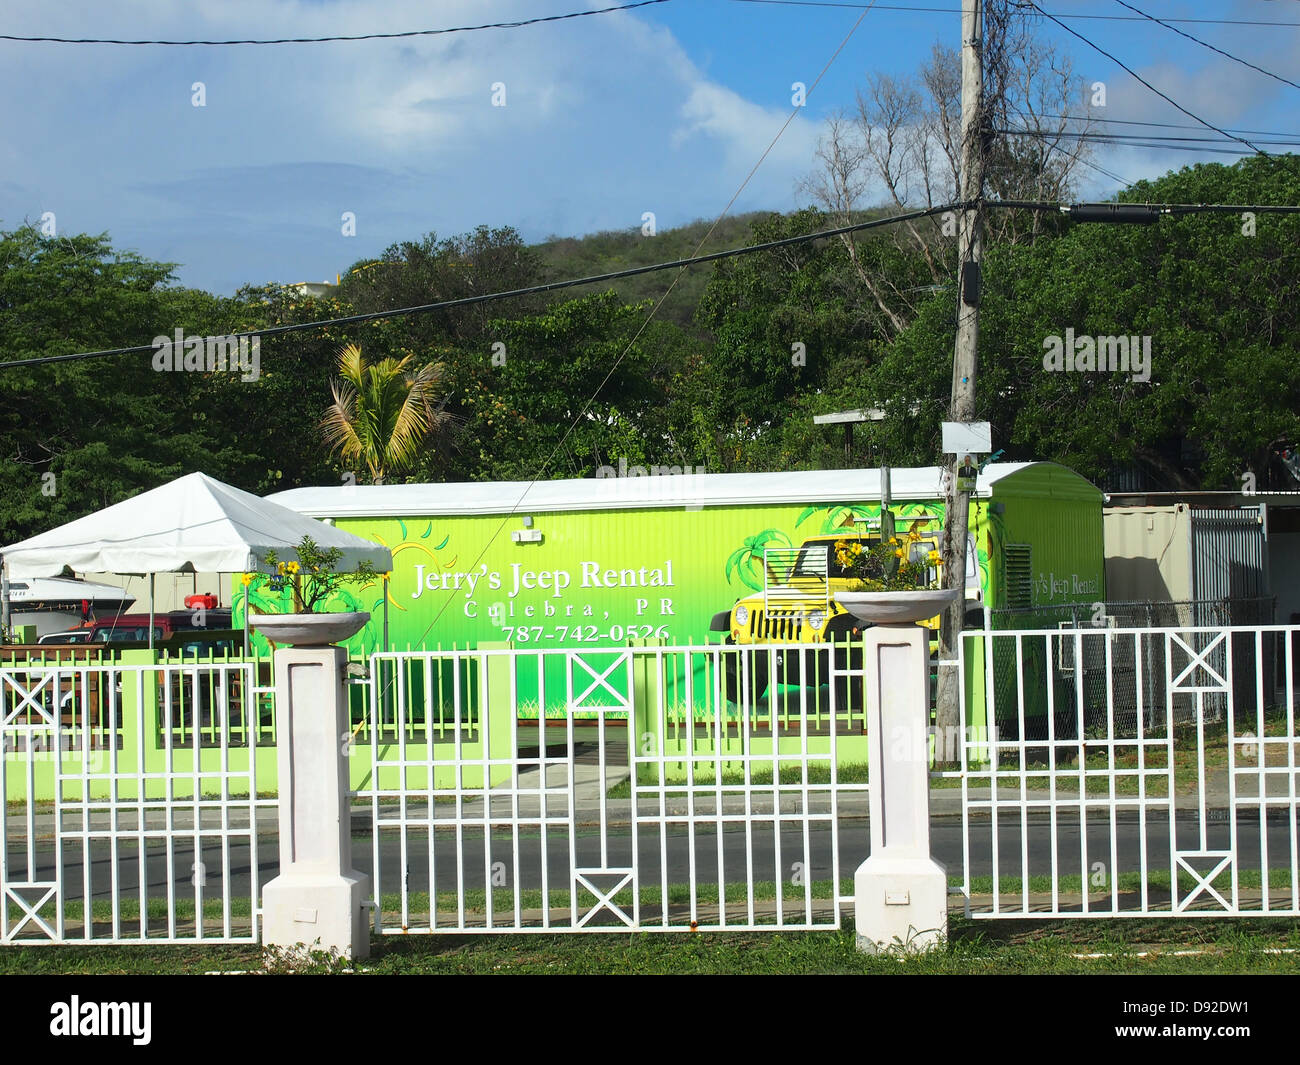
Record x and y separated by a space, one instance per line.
606 117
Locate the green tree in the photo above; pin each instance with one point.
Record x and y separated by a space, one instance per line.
789 325
80 435
1213 292
562 393
413 273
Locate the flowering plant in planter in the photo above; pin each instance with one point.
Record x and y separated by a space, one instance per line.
311 577
903 563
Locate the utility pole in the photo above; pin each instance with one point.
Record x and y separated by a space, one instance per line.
970 243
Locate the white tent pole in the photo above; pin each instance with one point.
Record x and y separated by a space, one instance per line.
151 577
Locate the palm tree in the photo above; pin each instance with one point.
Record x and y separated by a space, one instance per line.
382 412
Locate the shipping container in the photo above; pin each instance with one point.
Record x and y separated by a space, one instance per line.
1211 562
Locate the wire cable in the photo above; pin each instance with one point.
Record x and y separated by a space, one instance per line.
1120 138
582 414
1089 163
1134 122
1129 142
491 297
353 37
1212 48
957 11
1136 75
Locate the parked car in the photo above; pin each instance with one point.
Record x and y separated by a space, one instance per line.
69 636
134 628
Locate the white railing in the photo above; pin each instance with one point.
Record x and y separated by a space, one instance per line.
585 790
121 778
1103 772
1131 772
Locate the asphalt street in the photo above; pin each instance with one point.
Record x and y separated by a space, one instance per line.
762 854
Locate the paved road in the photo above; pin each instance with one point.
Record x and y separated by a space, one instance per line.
762 855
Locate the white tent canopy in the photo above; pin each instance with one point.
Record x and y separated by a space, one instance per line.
192 523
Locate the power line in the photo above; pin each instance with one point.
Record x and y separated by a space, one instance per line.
730 253
1136 75
954 11
1172 209
1122 138
1089 163
653 311
491 297
1135 122
353 37
1206 44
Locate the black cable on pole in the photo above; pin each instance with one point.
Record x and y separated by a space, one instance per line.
951 11
1134 74
1134 122
1122 138
355 37
1206 44
488 297
1172 209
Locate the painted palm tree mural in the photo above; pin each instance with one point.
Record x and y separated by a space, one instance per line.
746 562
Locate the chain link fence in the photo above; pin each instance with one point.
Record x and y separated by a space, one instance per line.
1081 669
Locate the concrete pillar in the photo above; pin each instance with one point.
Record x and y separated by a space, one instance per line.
318 901
901 892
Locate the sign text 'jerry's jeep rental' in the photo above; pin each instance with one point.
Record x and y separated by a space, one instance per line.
601 561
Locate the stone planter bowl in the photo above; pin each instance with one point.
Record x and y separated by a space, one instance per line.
897 608
309 630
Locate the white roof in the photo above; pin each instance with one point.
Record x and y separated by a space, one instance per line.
616 493
62 590
193 522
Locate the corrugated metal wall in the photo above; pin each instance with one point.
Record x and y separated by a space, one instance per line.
1228 564
1228 553
1059 513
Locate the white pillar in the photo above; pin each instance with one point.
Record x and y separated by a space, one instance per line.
318 901
901 892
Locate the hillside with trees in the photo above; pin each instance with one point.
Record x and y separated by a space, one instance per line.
557 385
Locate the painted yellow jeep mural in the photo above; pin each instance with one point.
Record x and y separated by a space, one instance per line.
797 605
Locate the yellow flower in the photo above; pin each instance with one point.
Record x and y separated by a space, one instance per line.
279 568
893 539
247 579
292 567
898 552
914 536
934 557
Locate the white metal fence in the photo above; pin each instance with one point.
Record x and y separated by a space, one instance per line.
633 794
1103 772
131 803
1131 772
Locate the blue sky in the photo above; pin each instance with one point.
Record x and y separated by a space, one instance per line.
662 109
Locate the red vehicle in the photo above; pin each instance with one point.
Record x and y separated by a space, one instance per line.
134 628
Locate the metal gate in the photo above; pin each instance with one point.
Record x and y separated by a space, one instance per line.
1087 800
592 790
131 803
